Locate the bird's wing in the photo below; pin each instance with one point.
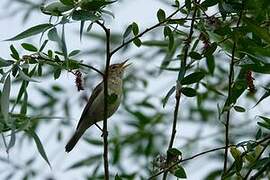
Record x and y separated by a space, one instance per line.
94 94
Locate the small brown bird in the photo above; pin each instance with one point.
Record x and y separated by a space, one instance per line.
94 109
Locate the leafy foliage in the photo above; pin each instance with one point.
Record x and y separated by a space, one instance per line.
194 49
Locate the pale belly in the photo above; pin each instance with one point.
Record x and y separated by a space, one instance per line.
96 112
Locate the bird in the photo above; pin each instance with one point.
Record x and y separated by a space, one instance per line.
94 110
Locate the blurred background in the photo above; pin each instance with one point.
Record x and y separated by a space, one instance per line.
139 132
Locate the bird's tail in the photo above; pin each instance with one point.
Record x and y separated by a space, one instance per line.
73 140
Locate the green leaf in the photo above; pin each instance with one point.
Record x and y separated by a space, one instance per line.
264 125
81 29
74 53
39 145
237 157
117 177
168 95
189 92
24 104
210 62
193 78
237 90
94 5
68 2
63 42
31 32
39 69
267 120
168 33
81 15
174 152
155 43
5 99
57 73
239 109
161 15
107 12
180 172
29 47
15 53
264 96
195 55
209 3
188 4
43 45
53 35
137 42
135 29
259 31
210 50
5 63
222 10
56 8
127 31
26 77
12 140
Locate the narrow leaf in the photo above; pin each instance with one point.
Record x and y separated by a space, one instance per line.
161 15
15 53
193 78
239 109
26 77
189 92
31 32
29 47
39 146
5 99
180 172
170 92
264 96
135 28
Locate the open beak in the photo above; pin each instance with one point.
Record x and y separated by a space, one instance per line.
124 65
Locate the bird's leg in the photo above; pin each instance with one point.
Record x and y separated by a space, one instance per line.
99 127
101 130
103 133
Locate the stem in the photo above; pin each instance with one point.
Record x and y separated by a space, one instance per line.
42 58
146 30
266 138
105 79
227 123
178 89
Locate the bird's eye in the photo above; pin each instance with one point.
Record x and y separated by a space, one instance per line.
113 67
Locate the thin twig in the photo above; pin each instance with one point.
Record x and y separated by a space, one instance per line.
145 31
39 56
105 79
200 154
178 89
227 123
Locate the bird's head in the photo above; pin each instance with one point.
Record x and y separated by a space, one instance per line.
117 70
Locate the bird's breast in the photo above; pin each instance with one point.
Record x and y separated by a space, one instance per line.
96 111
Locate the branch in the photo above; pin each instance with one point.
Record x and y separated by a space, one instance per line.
146 30
39 56
105 79
227 123
200 154
178 89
